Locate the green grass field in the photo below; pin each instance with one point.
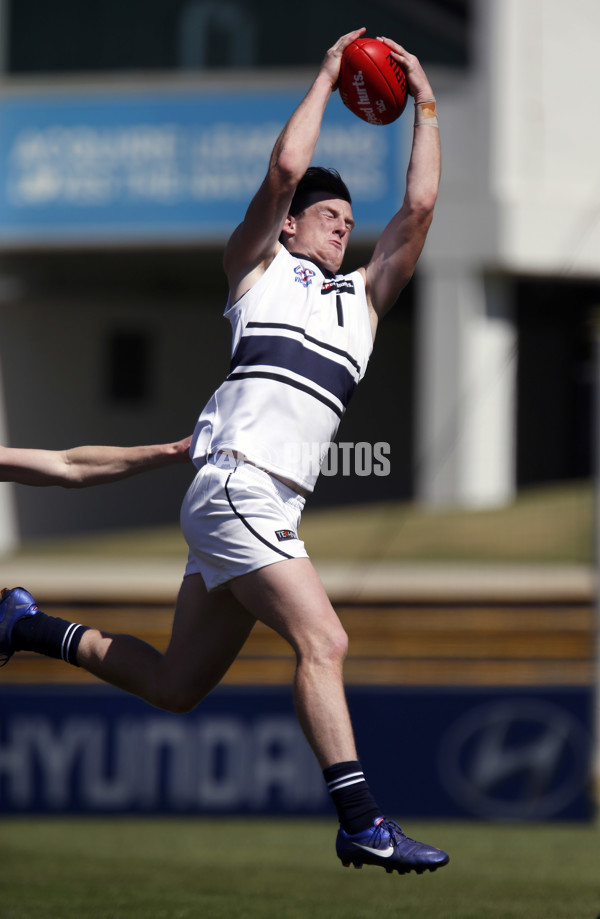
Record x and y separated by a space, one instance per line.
254 869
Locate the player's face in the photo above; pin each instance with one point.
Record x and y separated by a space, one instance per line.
321 231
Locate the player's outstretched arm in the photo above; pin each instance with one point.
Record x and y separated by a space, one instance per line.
400 245
255 241
89 465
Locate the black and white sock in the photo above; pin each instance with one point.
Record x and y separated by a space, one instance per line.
352 796
48 635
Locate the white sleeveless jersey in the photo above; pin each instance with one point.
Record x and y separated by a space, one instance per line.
301 342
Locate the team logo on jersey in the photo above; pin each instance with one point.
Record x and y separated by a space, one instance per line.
343 286
304 275
282 535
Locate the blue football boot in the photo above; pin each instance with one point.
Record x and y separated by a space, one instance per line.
385 844
14 605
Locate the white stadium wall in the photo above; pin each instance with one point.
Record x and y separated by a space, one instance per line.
519 196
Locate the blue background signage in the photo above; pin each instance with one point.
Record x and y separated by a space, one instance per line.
168 165
483 754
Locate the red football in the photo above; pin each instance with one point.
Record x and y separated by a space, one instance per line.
372 84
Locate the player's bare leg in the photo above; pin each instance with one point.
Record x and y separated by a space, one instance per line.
209 629
289 597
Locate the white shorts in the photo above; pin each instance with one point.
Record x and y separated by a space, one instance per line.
237 518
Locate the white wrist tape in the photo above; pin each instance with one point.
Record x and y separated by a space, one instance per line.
426 113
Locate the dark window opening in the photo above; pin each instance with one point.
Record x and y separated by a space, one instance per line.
129 362
555 380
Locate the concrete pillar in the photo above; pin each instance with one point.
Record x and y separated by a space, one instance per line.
466 385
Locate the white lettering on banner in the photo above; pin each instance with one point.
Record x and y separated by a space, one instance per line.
223 767
35 743
279 748
167 164
106 785
351 147
16 762
214 763
226 141
216 184
166 746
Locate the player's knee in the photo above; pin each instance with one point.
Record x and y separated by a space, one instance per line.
339 645
342 646
330 648
177 699
180 705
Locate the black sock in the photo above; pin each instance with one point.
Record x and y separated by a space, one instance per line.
48 635
352 796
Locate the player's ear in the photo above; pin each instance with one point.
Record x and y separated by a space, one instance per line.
289 226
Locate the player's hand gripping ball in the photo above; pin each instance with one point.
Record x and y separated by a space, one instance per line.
371 83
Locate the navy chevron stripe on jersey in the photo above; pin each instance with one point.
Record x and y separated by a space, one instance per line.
293 368
289 354
313 341
279 378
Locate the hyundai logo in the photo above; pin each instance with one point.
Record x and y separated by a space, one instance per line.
518 759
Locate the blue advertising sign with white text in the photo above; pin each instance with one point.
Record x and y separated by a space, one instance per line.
500 754
168 165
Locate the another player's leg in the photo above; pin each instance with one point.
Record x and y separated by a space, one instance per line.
208 632
16 606
209 629
288 596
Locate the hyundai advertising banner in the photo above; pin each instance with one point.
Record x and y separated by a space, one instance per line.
443 752
171 165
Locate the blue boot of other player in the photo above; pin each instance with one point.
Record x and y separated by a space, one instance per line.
15 604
